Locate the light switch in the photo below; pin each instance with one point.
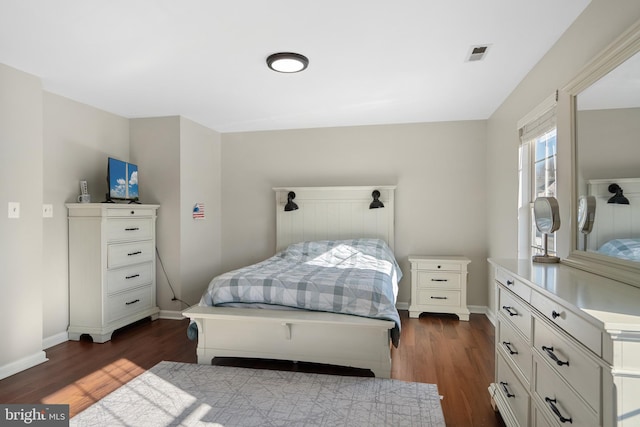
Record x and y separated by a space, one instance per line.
47 211
14 210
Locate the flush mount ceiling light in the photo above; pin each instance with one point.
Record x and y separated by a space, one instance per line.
287 62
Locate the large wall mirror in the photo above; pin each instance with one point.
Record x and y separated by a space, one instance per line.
606 162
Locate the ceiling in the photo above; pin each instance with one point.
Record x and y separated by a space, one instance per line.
371 61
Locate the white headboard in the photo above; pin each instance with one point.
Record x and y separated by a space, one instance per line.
614 221
334 213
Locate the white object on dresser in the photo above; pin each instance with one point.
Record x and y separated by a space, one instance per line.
112 270
567 347
439 285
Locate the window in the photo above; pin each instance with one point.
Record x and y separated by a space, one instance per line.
537 174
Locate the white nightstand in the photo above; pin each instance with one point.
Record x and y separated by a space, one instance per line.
439 285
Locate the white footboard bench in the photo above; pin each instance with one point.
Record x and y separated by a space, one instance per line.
317 337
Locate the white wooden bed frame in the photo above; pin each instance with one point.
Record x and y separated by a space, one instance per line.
336 339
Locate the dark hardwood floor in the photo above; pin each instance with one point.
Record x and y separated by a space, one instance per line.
440 349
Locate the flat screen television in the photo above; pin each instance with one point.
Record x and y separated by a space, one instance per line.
123 180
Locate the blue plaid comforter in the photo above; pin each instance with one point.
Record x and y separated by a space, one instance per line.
622 248
358 277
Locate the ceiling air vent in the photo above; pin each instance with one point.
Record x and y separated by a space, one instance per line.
477 53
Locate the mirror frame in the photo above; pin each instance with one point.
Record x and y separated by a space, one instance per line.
621 49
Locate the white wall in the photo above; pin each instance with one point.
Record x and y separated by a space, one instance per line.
179 164
78 139
200 182
438 168
600 23
21 250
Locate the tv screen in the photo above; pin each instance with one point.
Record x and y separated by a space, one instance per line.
123 180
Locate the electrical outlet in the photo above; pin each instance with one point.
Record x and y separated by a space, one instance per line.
14 210
47 211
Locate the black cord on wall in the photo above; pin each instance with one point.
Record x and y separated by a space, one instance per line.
169 281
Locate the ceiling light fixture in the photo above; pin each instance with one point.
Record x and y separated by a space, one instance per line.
287 62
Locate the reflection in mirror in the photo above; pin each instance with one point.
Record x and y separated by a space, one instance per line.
547 217
608 157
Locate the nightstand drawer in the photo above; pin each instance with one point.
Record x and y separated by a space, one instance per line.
127 303
129 229
438 297
428 279
121 279
437 265
119 255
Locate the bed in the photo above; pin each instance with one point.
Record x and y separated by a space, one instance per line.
342 252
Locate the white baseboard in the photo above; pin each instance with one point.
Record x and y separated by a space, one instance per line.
171 315
56 339
22 364
402 305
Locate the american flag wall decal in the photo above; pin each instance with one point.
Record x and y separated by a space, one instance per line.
198 211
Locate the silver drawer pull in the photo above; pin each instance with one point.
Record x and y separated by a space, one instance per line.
132 302
132 276
554 408
438 297
132 229
506 390
439 280
134 253
552 356
508 347
510 310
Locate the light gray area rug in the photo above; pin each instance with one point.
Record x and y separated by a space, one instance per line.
181 394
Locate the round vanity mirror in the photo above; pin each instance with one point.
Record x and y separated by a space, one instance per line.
547 218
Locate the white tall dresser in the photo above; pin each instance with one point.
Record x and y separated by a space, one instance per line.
567 347
112 280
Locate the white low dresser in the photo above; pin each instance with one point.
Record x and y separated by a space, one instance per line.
567 347
112 269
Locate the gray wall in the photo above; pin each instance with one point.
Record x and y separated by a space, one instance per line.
78 139
21 251
438 168
179 164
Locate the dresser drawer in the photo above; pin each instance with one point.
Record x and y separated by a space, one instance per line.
567 320
568 361
554 395
129 229
428 279
513 284
132 211
122 254
514 348
516 311
438 297
121 279
128 303
513 392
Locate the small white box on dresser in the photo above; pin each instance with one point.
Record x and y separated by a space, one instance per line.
439 285
112 280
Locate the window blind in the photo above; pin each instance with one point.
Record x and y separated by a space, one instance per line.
539 121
